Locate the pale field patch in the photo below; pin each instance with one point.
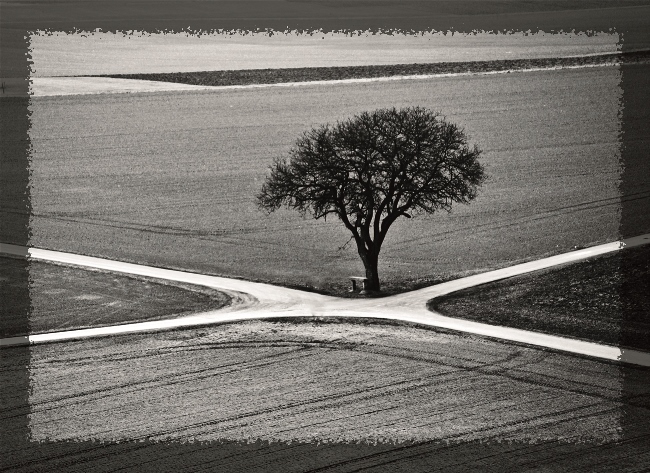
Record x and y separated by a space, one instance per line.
56 86
88 53
175 176
88 297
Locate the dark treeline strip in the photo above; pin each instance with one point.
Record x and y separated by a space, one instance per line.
309 74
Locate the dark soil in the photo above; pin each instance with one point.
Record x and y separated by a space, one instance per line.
605 299
66 298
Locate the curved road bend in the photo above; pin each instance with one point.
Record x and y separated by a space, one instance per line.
255 301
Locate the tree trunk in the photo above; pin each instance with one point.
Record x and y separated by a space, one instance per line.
370 261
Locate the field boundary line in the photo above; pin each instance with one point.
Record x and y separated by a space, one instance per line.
149 86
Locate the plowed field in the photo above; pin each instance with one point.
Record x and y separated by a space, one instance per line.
169 178
402 389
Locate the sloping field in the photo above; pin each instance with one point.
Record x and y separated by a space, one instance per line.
169 179
308 74
604 299
65 54
333 383
94 52
66 298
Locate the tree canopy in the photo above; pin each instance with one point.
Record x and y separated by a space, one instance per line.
373 168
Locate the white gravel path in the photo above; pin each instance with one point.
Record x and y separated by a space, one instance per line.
257 301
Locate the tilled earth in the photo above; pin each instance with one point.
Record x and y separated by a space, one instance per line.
369 395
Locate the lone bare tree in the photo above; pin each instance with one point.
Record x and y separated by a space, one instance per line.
373 168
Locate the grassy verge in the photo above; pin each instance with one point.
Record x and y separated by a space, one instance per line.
389 286
66 298
605 299
308 74
392 285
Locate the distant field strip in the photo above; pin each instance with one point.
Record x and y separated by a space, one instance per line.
382 72
265 78
57 54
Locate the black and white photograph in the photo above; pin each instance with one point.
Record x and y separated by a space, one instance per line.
325 236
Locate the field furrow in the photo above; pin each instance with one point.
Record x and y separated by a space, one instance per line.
169 179
320 382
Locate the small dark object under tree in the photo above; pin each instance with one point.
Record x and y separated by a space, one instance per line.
374 168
